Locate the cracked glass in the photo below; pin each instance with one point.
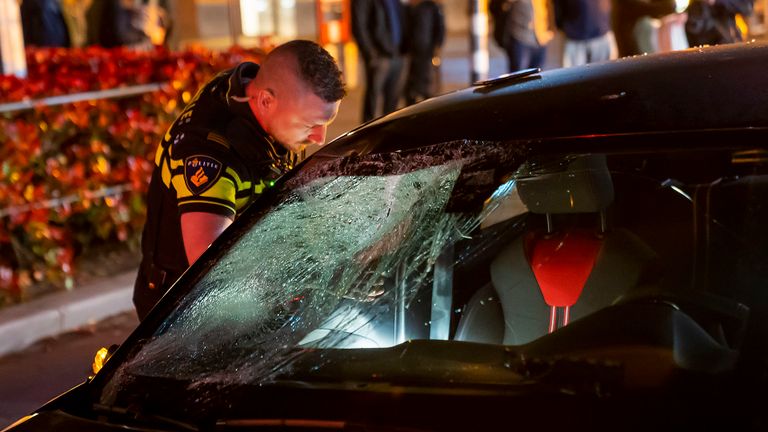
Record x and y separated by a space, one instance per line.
358 259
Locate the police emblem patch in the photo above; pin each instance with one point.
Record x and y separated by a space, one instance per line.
201 172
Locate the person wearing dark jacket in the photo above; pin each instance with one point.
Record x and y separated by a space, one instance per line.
523 28
378 29
426 30
112 24
626 14
713 22
586 25
43 24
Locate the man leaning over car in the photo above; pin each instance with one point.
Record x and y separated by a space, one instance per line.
240 132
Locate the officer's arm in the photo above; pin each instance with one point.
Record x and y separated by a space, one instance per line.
199 230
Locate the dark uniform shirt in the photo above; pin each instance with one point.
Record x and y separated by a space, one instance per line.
215 158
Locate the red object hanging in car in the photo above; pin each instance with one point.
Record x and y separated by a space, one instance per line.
562 262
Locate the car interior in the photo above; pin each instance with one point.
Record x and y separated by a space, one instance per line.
551 274
661 245
649 260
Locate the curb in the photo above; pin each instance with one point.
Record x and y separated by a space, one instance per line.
54 314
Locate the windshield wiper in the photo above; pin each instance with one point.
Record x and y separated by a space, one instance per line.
133 415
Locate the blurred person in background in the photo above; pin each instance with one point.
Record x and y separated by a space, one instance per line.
713 22
671 33
426 30
75 15
378 27
130 23
586 25
43 24
663 34
626 15
242 131
523 28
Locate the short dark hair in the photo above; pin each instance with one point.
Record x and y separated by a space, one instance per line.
316 68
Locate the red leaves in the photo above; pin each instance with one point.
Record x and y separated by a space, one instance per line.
58 71
56 162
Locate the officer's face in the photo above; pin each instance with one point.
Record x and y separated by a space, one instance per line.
301 120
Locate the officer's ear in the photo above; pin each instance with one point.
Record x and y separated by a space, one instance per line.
265 100
262 102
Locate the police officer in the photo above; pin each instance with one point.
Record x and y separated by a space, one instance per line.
241 131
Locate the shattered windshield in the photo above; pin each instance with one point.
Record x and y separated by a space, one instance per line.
479 242
289 273
337 263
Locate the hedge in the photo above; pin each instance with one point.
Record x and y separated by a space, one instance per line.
73 176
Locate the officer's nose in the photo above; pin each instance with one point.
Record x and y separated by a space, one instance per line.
317 134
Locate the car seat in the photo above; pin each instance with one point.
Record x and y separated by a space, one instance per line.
563 270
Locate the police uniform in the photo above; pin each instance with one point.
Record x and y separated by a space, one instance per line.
215 158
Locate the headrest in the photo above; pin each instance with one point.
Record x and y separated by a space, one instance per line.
585 186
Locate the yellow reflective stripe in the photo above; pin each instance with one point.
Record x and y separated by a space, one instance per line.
239 183
181 186
187 112
222 189
165 173
241 202
259 187
168 133
176 163
208 202
159 154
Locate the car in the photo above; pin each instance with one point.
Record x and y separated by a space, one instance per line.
576 248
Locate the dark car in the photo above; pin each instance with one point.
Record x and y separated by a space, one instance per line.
580 248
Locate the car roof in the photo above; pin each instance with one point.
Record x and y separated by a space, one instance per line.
699 89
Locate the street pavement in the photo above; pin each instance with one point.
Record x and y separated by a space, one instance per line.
49 367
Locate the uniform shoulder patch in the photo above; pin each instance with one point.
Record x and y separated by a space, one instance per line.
201 172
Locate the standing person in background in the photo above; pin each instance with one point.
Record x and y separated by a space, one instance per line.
43 24
586 25
241 131
671 33
129 23
626 14
74 12
114 23
378 28
426 30
523 28
713 22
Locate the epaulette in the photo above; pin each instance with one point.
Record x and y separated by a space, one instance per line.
218 138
